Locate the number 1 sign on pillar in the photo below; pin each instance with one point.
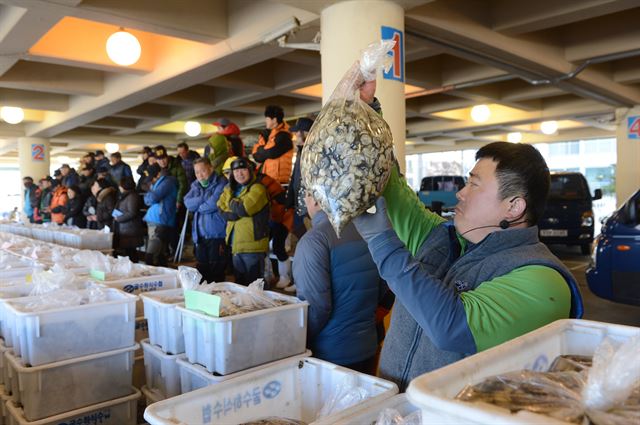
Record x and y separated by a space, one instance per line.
396 72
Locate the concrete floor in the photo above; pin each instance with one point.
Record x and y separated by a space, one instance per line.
595 308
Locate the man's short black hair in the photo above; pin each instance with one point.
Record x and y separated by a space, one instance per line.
127 183
28 178
202 160
521 171
182 145
99 153
274 111
116 155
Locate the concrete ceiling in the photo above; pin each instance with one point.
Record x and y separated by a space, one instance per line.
575 61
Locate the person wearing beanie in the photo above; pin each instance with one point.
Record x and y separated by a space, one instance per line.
231 131
244 203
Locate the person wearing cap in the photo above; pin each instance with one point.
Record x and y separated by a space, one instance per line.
187 157
146 153
244 203
73 210
103 173
100 160
43 215
231 131
161 215
69 176
295 193
119 168
128 228
57 178
172 164
274 152
58 203
30 197
208 229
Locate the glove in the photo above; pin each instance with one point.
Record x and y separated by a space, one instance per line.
370 225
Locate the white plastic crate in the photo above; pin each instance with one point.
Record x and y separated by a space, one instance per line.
193 376
164 320
120 411
150 396
3 349
4 412
226 345
70 384
434 392
48 336
164 279
370 415
161 371
9 293
295 389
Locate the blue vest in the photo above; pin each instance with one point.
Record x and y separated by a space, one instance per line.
408 352
350 334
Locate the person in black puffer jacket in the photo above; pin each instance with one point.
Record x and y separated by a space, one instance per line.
129 229
106 197
73 215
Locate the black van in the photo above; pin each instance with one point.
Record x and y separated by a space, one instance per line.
568 218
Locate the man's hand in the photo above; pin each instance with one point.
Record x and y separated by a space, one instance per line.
369 225
368 91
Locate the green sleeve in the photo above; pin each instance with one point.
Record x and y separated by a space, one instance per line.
409 217
255 199
511 305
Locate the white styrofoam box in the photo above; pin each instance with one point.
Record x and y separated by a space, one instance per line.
120 411
139 373
434 392
162 373
70 384
165 321
150 395
163 278
295 389
49 336
17 290
371 414
141 332
226 345
194 376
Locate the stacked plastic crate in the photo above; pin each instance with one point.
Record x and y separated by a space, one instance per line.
69 364
188 350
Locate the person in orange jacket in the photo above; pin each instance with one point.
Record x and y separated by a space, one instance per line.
274 150
58 204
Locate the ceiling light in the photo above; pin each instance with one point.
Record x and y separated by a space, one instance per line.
515 137
123 48
11 114
192 128
480 113
549 127
112 147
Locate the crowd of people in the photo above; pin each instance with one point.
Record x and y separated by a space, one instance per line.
457 287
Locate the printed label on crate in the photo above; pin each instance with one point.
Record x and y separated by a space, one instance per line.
95 418
132 288
97 274
213 412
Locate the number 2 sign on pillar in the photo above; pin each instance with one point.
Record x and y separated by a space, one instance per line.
396 72
37 152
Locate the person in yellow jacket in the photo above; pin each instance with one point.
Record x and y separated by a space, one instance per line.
274 149
244 203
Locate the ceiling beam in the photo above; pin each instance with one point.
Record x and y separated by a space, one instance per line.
52 79
34 100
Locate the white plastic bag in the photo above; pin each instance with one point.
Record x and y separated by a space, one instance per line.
392 417
189 278
121 267
348 155
345 395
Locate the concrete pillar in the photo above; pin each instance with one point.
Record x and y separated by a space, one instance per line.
33 157
628 153
349 27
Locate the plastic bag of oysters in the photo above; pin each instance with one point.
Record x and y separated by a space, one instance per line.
576 390
348 154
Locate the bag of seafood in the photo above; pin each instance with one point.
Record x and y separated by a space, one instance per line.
348 154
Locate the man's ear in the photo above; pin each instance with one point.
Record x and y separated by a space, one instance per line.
517 208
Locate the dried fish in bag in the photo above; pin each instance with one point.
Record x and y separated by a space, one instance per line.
348 154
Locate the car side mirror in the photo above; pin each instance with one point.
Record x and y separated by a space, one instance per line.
597 194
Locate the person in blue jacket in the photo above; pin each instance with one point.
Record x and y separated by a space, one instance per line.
209 228
161 215
339 279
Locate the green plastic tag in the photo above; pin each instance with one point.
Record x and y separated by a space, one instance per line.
202 302
97 274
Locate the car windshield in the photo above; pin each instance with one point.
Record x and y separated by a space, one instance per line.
568 187
442 183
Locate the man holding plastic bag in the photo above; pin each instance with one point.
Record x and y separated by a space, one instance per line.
460 287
